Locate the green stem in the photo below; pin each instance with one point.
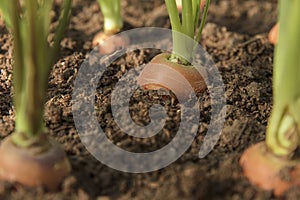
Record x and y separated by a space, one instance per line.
184 33
196 12
173 15
30 111
179 53
33 59
111 10
14 17
203 19
284 124
63 22
187 18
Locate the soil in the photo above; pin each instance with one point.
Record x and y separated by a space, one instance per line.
236 38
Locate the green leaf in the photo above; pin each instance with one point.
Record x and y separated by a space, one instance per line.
5 9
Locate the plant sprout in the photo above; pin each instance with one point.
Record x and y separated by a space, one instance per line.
111 10
182 53
28 146
190 26
284 126
113 23
268 159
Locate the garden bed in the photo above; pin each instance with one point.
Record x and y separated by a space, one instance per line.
236 38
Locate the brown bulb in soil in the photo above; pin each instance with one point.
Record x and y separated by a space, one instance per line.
161 73
273 34
108 45
31 168
268 171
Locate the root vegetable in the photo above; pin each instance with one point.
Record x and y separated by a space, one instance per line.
37 165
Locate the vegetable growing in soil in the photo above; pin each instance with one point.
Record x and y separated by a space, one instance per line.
273 164
113 23
180 59
28 156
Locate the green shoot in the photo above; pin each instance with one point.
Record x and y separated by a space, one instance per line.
111 10
29 23
284 125
189 26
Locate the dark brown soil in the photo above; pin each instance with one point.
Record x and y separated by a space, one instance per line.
236 38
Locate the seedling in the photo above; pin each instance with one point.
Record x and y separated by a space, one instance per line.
113 23
265 162
183 50
28 156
